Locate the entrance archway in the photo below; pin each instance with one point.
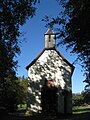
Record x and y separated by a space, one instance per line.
49 97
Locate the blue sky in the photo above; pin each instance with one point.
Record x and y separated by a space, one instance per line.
33 42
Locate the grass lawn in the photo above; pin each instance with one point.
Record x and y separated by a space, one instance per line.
79 113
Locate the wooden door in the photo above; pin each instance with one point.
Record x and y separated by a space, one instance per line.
49 97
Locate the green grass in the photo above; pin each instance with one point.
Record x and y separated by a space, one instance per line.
22 106
81 109
79 113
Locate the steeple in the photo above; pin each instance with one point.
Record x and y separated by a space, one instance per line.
50 39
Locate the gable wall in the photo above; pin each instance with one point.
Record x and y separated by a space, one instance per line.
49 66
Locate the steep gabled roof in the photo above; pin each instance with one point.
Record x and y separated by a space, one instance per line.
49 32
27 67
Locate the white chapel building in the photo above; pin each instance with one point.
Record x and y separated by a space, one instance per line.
50 80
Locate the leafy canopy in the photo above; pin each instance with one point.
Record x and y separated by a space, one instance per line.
74 30
13 14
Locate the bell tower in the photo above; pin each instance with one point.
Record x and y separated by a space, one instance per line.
50 38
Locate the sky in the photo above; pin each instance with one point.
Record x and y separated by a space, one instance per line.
33 43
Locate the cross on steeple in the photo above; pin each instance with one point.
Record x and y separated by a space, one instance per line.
50 25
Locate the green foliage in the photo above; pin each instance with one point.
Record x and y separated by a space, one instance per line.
87 87
73 30
22 106
81 109
9 92
22 93
13 14
13 92
24 83
82 98
77 100
86 96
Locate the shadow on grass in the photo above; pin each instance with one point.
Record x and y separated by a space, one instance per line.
20 115
81 116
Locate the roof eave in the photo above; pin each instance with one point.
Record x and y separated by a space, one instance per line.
71 65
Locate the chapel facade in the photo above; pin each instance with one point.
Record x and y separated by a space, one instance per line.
50 80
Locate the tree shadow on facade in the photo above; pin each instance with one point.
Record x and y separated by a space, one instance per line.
53 68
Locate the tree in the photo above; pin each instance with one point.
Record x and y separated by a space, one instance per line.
86 96
77 99
23 91
82 98
13 14
9 90
74 31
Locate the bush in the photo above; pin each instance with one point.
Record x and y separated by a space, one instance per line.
77 100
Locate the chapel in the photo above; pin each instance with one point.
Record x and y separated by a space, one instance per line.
50 80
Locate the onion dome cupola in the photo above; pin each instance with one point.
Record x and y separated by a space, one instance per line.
50 38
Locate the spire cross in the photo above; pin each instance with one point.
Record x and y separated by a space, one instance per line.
50 26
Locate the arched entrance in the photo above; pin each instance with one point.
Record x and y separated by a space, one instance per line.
49 97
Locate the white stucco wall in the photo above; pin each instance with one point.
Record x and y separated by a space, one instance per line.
50 66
